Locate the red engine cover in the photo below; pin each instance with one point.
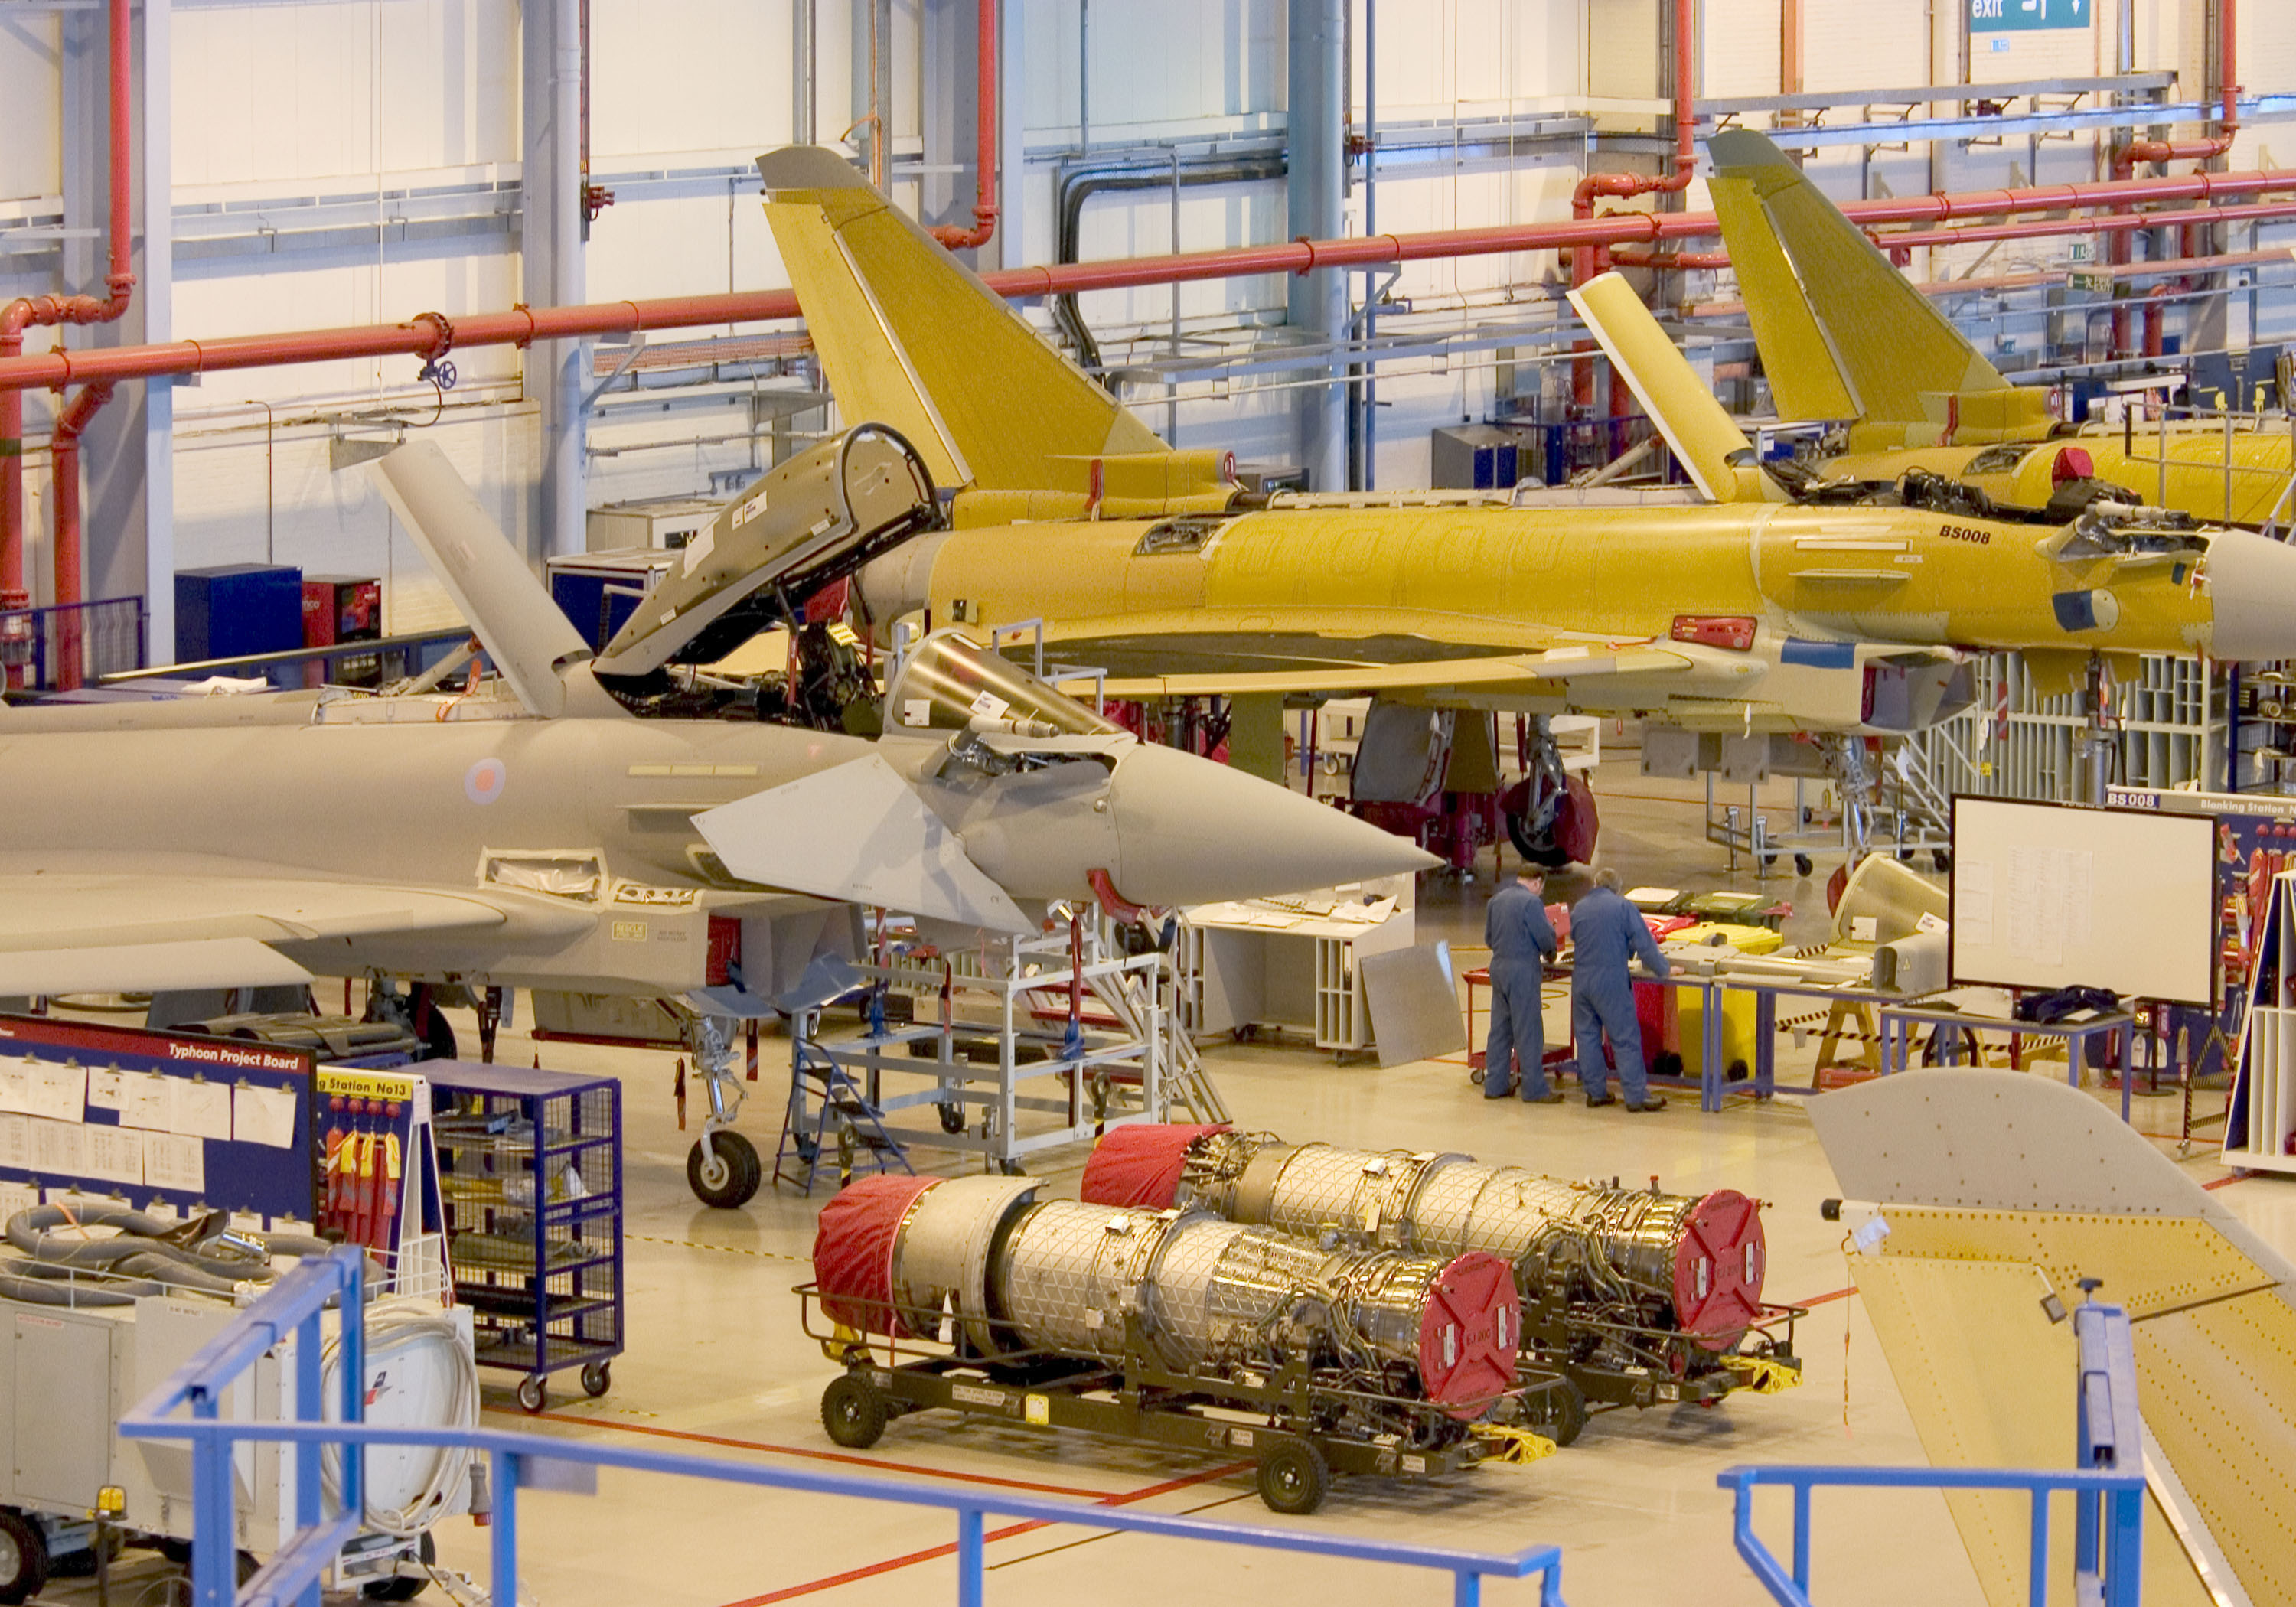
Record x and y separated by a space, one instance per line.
1717 1270
853 1252
1470 1333
1138 1165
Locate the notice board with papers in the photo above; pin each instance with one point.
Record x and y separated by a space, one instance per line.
154 1117
2048 896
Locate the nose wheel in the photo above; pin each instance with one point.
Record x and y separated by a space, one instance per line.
723 1170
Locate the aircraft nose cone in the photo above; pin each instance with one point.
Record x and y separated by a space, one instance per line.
1191 832
2253 592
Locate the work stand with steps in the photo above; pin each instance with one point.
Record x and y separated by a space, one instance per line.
1020 1045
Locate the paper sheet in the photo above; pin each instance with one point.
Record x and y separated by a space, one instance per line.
176 1161
114 1155
147 1100
16 1085
105 1088
202 1109
58 1092
16 1142
265 1116
59 1148
1973 902
17 1197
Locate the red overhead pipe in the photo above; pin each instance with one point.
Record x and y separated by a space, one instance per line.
425 335
63 470
984 202
22 313
1586 261
2126 157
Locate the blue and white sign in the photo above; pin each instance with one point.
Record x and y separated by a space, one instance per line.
2006 16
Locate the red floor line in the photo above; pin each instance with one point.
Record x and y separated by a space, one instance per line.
2228 1182
1825 1299
877 1463
870 1570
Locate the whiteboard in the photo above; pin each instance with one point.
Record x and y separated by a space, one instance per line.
2053 895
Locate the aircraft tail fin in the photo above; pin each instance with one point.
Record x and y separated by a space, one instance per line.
1715 451
1843 334
530 640
911 340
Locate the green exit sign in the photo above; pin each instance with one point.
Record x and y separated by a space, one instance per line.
2004 16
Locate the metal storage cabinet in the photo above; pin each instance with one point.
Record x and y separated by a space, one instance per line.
530 1163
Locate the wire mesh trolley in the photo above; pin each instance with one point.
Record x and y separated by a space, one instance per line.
530 1163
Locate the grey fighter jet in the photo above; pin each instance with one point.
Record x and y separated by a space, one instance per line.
617 823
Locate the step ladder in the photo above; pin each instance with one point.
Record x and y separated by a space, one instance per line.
1186 1082
827 1111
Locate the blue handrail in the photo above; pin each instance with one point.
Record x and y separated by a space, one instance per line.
527 1461
2109 1492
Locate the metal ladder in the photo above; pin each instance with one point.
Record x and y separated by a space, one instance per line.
843 1116
1185 1081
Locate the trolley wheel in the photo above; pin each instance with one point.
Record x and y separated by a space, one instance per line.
728 1174
1011 1169
853 1412
1943 859
1294 1478
1563 1412
23 1557
952 1118
1803 865
399 1587
597 1378
533 1392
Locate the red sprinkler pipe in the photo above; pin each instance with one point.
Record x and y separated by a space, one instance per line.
1587 261
2126 157
63 470
19 315
421 336
984 202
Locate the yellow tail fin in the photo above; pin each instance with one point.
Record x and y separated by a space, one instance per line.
1842 333
910 338
1716 451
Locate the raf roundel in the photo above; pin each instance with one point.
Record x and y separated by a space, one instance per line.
484 782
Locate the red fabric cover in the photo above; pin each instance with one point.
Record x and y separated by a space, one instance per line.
853 1252
1656 1011
1577 825
1719 1268
2071 463
1469 1332
1140 1164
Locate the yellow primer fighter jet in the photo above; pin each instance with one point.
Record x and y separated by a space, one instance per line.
1794 621
1845 337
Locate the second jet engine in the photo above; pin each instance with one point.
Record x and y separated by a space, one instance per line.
1637 1296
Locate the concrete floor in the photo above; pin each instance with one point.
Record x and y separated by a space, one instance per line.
717 1365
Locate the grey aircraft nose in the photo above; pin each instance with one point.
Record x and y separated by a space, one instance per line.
1191 831
2251 584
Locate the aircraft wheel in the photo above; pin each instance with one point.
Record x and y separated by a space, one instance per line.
1537 848
728 1174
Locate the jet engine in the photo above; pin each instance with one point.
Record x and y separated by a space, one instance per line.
1634 1294
1180 1292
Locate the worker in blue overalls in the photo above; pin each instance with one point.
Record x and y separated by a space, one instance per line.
1520 938
1605 932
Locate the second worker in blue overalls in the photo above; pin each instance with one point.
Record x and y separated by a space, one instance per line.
1520 938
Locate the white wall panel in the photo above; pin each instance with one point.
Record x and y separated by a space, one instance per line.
30 52
1872 45
1622 61
1739 48
694 75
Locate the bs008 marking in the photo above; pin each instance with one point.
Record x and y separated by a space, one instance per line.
1962 532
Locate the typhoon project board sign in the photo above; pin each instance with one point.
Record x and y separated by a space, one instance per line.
2004 16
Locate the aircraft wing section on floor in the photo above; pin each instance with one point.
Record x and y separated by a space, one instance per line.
1999 1189
73 931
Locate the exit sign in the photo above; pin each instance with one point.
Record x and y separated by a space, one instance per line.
2004 16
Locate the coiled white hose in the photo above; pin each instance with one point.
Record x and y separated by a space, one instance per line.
396 1327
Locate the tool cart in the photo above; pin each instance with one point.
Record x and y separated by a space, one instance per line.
530 1164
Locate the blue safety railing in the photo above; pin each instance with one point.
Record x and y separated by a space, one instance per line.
532 1461
2108 1488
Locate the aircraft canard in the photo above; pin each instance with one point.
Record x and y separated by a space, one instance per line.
1845 338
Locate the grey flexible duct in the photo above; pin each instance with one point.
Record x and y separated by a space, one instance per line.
146 1257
